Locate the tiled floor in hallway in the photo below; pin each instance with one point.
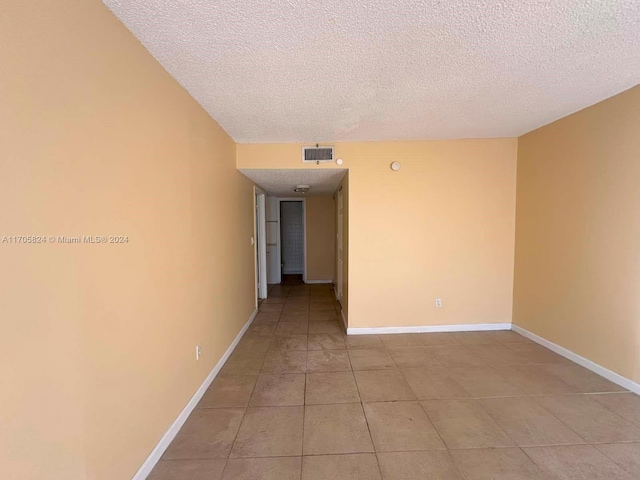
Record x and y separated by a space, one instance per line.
298 399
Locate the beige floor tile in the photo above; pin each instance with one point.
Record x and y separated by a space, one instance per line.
330 326
326 341
279 390
575 462
263 318
336 428
270 432
290 307
400 340
273 299
189 469
254 344
536 353
383 385
292 328
274 468
436 338
303 290
285 361
465 424
321 289
243 363
408 357
498 355
358 466
589 419
581 379
270 307
436 465
475 338
625 455
322 316
368 342
229 391
278 289
534 380
433 383
484 382
263 329
322 306
207 433
331 387
266 318
508 336
317 298
497 464
400 426
328 361
298 317
371 360
298 300
289 342
627 405
527 423
456 356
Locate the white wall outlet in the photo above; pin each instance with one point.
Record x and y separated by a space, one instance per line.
252 241
438 302
198 352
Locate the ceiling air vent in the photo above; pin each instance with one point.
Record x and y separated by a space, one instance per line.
317 154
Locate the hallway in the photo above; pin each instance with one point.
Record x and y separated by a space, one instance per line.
298 399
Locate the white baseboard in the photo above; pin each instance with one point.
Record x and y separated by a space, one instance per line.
471 327
177 424
574 357
318 281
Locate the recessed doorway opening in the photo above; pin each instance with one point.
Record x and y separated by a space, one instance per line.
292 240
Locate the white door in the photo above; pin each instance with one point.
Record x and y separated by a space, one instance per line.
339 273
261 246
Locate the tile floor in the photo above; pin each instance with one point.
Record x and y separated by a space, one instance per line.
298 399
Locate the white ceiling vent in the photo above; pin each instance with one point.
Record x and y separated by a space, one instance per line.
317 154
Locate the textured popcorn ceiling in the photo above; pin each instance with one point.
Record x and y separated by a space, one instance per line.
337 70
281 182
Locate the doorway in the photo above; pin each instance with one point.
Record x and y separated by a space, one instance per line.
292 240
339 245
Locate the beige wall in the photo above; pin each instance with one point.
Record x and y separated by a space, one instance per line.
320 237
98 341
577 269
442 226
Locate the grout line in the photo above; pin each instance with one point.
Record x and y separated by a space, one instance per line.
366 419
433 425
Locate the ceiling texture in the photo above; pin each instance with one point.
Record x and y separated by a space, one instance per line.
281 182
336 70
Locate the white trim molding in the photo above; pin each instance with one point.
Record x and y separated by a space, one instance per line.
580 360
311 282
177 424
471 327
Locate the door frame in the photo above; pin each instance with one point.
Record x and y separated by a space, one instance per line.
260 243
304 241
339 243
